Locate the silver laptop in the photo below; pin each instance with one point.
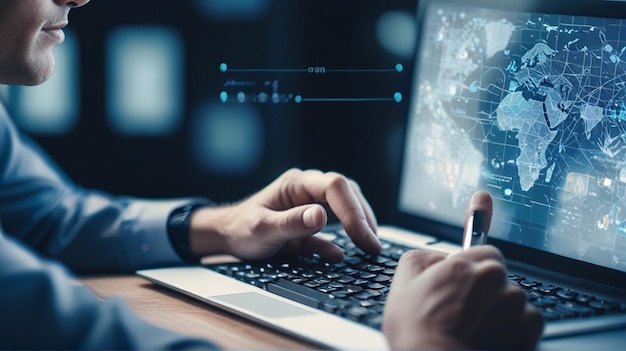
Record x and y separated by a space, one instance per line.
523 99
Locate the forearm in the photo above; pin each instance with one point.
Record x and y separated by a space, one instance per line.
89 231
92 232
44 307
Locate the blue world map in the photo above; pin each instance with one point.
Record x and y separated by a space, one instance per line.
532 108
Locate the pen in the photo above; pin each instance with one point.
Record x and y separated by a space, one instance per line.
474 233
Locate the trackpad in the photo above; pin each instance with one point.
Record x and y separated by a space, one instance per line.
262 305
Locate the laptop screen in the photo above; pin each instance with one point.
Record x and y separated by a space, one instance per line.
528 105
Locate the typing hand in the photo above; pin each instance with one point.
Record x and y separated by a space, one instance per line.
283 216
458 302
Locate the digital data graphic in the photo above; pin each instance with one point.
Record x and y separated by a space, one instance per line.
252 85
530 107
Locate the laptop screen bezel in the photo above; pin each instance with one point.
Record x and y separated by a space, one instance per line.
512 251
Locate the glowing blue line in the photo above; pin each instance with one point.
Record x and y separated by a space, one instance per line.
265 70
346 99
360 70
327 70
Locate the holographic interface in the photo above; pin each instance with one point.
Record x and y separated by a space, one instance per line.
530 107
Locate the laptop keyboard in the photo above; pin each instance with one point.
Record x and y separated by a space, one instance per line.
357 288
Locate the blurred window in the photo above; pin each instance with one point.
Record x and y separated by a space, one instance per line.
145 80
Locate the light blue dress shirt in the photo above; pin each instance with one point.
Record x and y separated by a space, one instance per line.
45 219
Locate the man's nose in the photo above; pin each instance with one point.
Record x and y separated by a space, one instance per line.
73 3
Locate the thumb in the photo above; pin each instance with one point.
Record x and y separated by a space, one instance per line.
314 217
301 221
482 204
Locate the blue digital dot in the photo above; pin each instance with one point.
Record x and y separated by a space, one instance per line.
241 97
297 99
397 97
223 96
399 67
223 67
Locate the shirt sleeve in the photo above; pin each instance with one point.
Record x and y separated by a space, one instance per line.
144 233
45 307
90 231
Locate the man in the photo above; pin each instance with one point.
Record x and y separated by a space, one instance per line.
458 302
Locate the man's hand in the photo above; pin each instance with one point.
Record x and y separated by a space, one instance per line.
458 302
283 217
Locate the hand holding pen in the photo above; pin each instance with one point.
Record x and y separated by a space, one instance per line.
460 301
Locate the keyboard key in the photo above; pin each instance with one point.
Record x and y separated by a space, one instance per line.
604 305
584 298
526 283
298 293
578 310
567 294
550 314
548 301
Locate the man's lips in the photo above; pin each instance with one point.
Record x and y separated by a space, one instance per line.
55 27
55 31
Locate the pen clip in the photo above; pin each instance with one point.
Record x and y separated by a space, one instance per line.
474 233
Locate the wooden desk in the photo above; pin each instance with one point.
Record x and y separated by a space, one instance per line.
177 312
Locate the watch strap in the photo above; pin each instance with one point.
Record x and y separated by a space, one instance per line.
178 231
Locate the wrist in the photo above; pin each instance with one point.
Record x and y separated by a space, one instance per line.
206 231
178 230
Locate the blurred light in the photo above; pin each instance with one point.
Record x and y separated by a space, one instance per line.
227 139
51 108
396 33
233 9
145 80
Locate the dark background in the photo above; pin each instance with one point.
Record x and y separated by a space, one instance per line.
359 139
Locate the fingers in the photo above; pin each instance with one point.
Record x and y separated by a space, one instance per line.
349 205
509 324
462 299
533 324
414 262
369 213
343 196
296 227
481 202
480 253
488 280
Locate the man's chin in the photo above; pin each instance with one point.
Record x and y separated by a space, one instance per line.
39 72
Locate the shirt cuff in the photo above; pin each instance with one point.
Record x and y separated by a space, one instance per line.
144 233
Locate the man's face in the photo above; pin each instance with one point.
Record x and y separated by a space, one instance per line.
29 29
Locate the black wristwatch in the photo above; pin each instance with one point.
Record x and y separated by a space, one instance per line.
178 231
